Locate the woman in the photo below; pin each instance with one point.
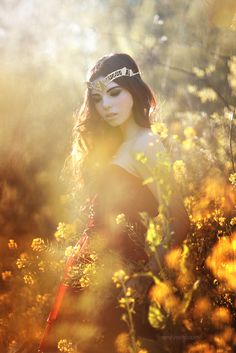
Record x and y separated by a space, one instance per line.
113 129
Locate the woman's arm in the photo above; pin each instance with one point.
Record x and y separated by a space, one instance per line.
151 146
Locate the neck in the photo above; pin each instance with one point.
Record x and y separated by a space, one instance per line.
130 129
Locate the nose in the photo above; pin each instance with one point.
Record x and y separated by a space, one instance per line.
106 102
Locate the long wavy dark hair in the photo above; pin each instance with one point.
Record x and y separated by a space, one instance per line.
94 141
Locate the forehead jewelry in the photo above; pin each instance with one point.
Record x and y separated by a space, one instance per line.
101 84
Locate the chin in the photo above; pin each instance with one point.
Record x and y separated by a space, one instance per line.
114 124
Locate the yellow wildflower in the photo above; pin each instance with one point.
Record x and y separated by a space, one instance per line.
93 257
188 202
22 261
42 299
12 244
128 292
175 137
28 279
215 116
119 277
84 282
233 221
120 219
61 231
210 69
69 251
179 168
140 157
160 129
38 244
207 95
73 250
221 221
155 317
65 346
154 235
198 72
189 132
64 231
41 266
6 275
126 301
188 144
232 179
192 89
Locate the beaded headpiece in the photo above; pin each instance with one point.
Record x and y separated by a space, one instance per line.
103 82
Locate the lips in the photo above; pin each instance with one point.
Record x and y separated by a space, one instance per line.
111 115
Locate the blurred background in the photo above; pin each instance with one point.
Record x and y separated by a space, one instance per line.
186 52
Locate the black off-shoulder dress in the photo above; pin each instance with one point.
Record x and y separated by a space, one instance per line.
91 318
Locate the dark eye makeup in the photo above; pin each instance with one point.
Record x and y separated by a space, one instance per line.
96 98
113 92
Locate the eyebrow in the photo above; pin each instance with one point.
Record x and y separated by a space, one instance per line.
110 89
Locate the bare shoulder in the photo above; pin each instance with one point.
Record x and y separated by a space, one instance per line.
148 142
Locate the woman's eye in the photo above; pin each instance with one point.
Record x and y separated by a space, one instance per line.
115 92
97 98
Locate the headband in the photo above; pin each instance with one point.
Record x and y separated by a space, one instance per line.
103 82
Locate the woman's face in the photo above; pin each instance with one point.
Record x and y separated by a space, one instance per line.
113 103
